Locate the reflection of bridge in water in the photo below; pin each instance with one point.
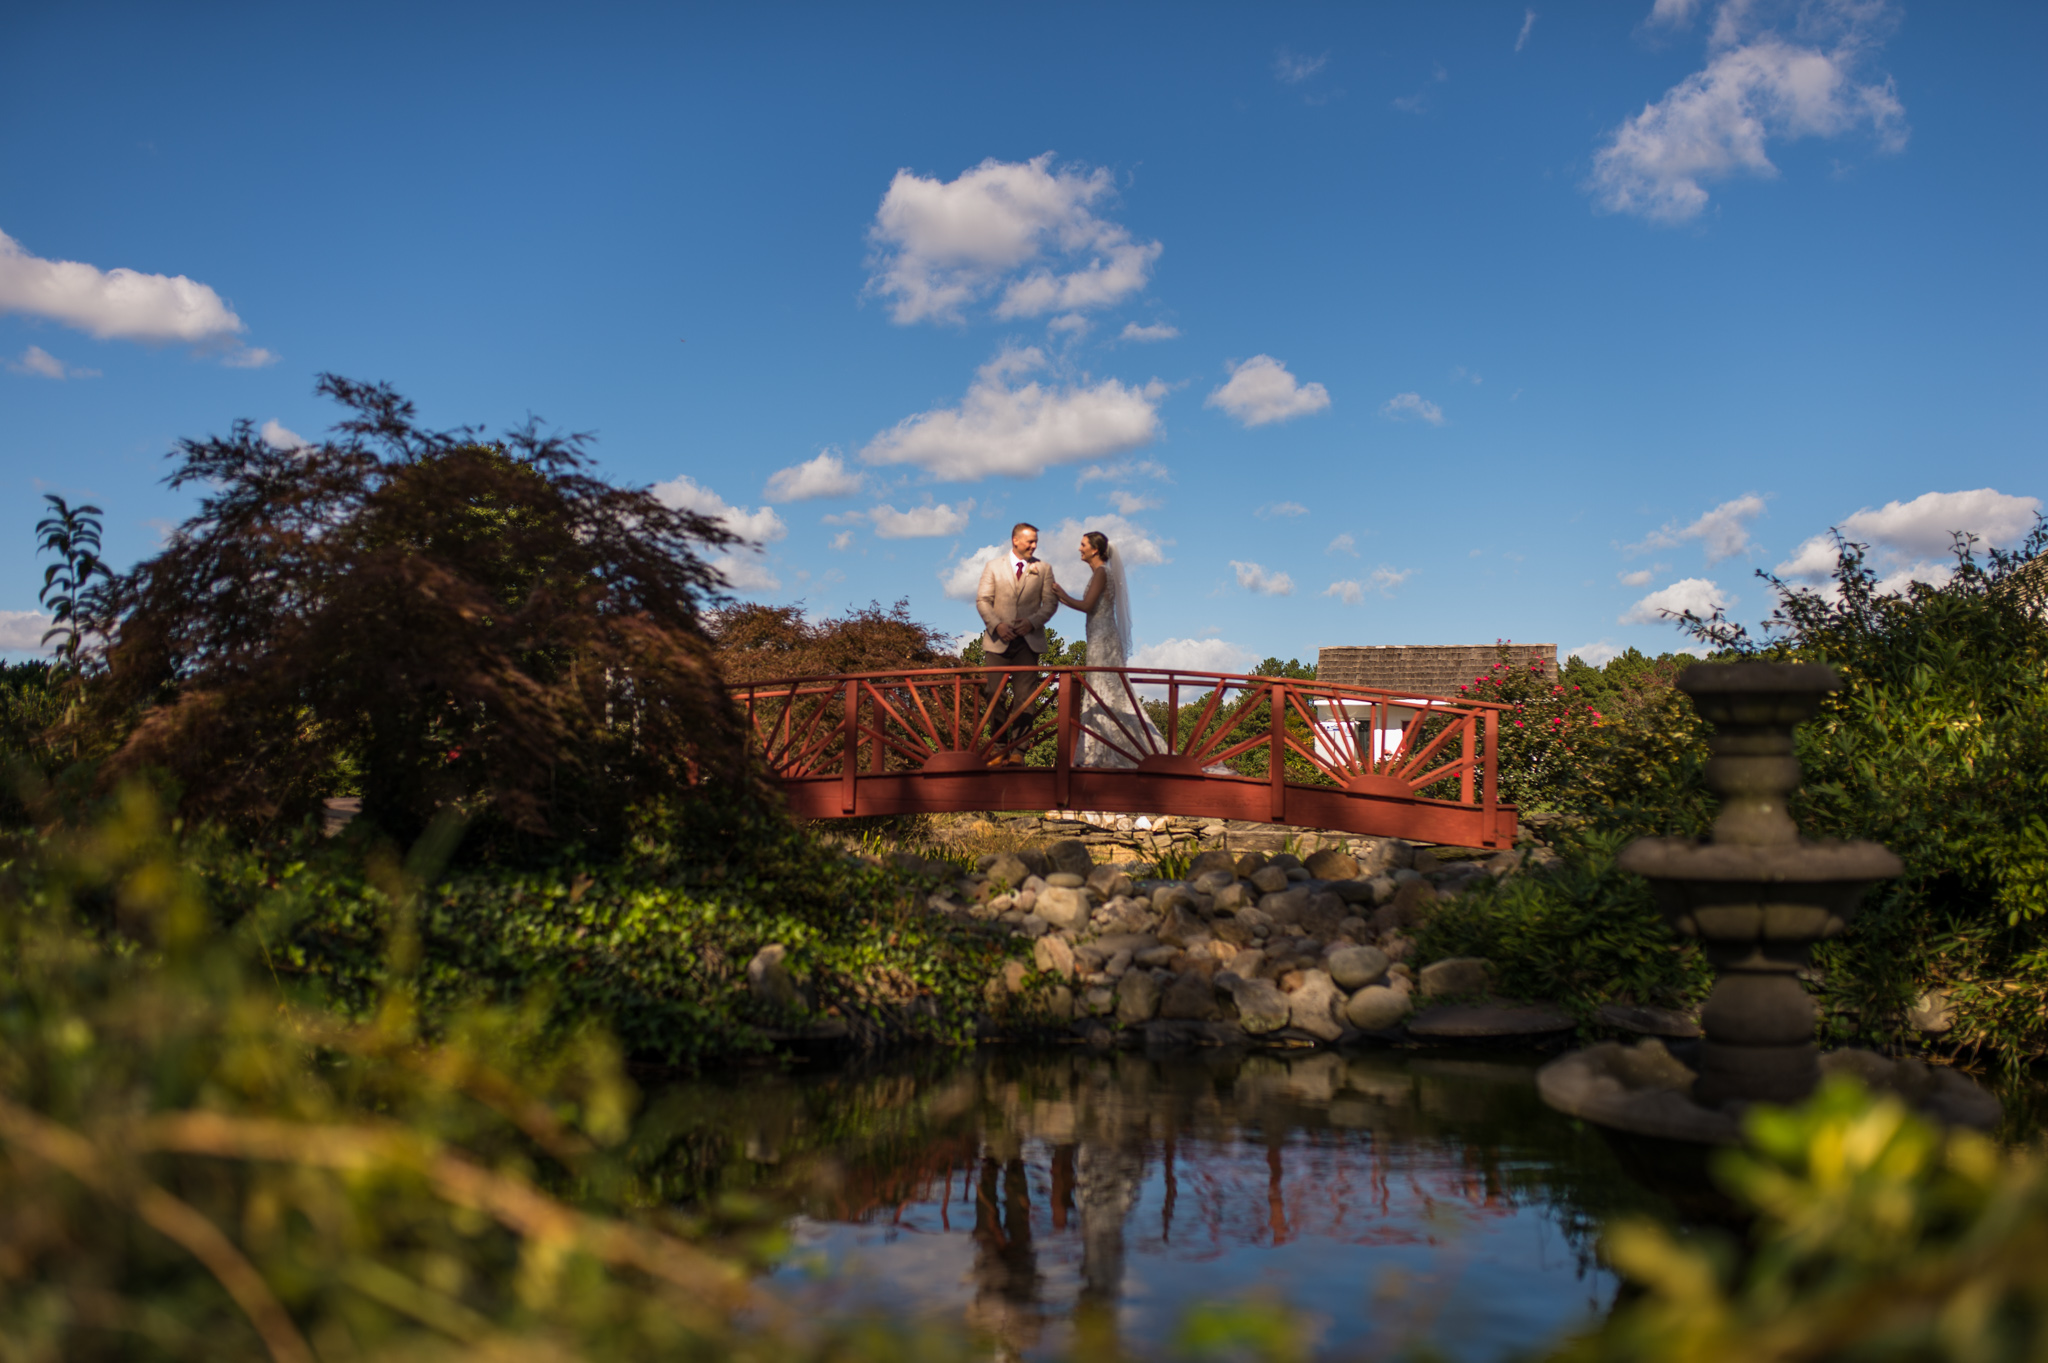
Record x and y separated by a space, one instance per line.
1202 744
1081 1189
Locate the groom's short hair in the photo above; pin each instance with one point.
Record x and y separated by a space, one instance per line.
1022 525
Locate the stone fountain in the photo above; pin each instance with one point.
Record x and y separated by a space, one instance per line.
1757 897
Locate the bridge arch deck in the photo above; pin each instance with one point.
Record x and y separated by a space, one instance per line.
1354 759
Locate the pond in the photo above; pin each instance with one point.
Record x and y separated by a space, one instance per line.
1394 1199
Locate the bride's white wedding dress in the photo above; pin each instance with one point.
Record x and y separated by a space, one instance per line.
1108 707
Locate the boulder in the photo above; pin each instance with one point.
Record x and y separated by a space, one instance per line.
1286 861
1190 997
1098 999
1376 1008
1456 975
1356 967
1249 863
1332 863
1171 893
1062 907
1070 856
1065 880
1213 882
1216 859
1137 997
768 976
1054 956
1410 905
1932 1013
1108 882
1010 870
1031 925
1312 1007
1286 906
1233 897
1034 861
1268 879
1352 891
1260 1006
1013 976
1382 888
1182 926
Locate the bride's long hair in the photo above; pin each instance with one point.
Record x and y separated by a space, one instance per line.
1120 594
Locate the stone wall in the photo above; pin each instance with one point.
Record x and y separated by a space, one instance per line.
1423 669
1147 837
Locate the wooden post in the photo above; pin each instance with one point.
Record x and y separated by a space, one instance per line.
1470 738
1063 742
1491 789
1276 753
850 761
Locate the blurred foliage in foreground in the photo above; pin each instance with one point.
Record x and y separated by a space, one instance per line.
198 1161
1878 1237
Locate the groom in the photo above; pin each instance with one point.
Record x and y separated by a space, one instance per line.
1017 596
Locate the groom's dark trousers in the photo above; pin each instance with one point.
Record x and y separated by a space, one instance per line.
1019 684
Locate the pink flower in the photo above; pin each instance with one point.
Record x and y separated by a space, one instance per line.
1518 724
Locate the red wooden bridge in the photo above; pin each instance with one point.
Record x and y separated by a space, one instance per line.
1202 744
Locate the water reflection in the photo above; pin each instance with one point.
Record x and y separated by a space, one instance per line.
1398 1198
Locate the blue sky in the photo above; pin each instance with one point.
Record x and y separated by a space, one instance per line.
1416 324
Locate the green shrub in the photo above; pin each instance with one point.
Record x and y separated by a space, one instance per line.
1581 934
1878 1236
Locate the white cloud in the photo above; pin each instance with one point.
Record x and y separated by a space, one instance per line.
1381 582
843 540
22 631
1272 509
1639 578
1261 390
1157 331
1757 87
1695 594
1123 471
1404 405
1067 324
1673 13
746 573
41 363
118 304
961 578
1909 539
921 522
1022 430
1254 578
1061 545
1596 654
824 476
1528 22
1130 503
1345 543
249 357
942 245
1724 531
1927 524
761 526
279 436
1195 655
1291 68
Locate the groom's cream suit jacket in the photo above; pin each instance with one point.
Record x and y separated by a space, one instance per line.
1006 598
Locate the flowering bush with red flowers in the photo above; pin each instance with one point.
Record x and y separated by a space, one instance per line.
1543 733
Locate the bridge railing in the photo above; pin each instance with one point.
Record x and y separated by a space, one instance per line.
1138 739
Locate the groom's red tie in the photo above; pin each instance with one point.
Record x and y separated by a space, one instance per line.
1020 570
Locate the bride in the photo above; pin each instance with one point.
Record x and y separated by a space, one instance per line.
1108 707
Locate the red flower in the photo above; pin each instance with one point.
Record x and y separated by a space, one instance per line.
1518 724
